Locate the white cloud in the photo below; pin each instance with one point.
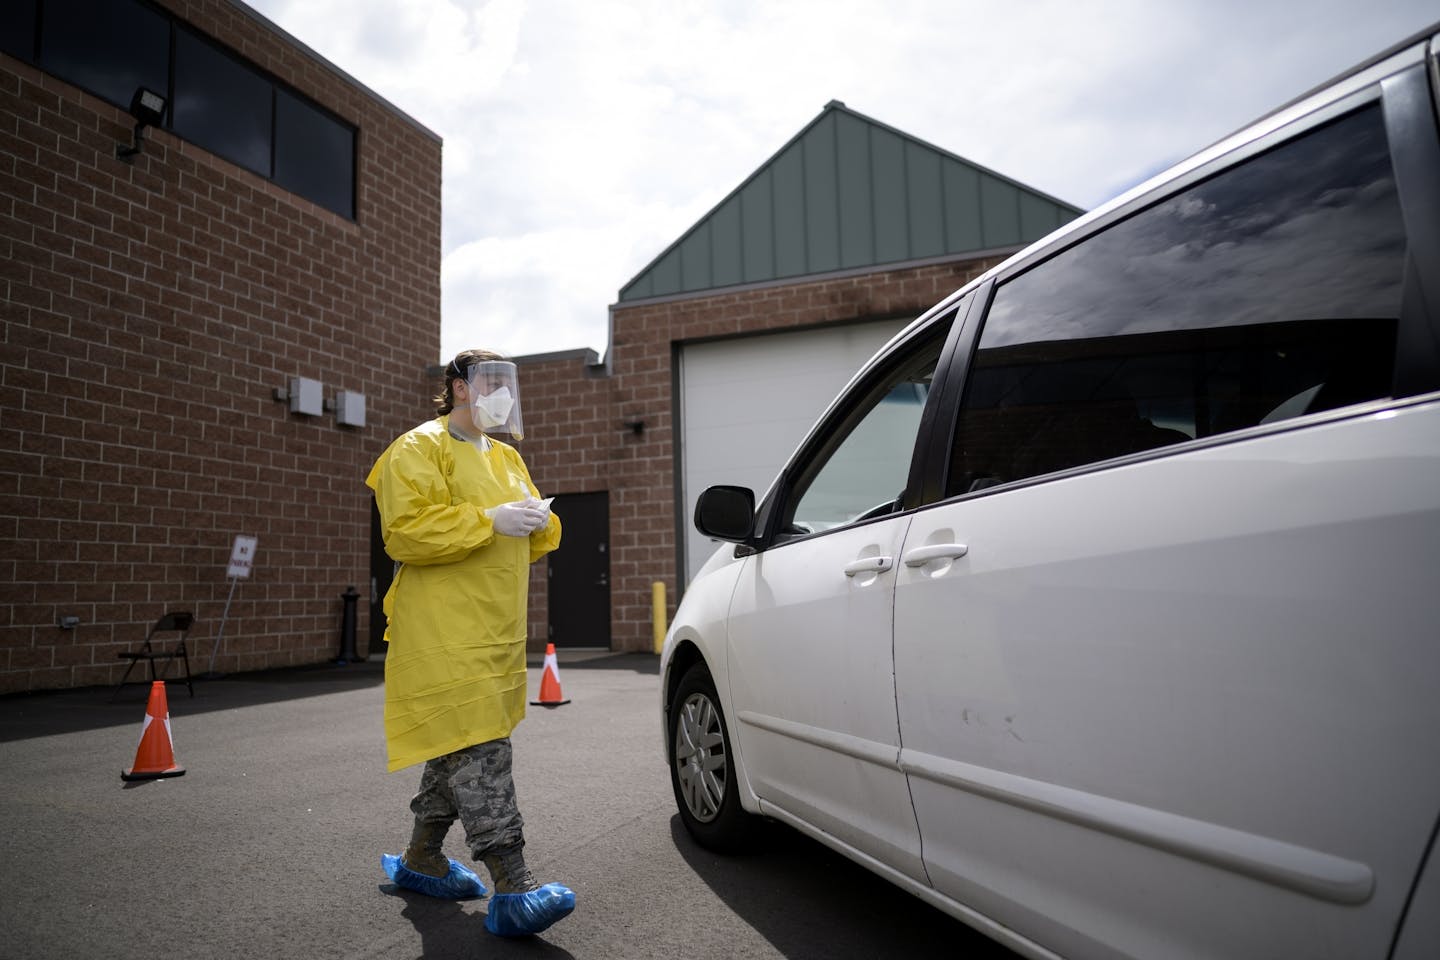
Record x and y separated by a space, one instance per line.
582 137
545 291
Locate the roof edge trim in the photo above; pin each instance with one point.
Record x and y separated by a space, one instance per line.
805 278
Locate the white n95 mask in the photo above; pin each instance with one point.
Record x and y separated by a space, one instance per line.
493 410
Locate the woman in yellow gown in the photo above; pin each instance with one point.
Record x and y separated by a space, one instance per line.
463 521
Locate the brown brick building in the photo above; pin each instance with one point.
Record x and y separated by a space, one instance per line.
581 440
281 221
851 228
188 329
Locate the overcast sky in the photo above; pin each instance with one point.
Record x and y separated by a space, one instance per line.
582 137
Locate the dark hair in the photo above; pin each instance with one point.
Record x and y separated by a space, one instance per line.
459 369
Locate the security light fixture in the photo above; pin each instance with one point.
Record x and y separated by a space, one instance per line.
148 109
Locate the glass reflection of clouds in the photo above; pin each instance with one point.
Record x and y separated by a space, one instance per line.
1311 229
1265 293
221 104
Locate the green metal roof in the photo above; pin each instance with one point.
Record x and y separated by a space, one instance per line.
848 192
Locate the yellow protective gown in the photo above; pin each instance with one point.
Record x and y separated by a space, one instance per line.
455 661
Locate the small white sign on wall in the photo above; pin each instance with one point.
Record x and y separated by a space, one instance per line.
242 557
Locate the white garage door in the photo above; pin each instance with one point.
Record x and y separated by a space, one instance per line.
745 405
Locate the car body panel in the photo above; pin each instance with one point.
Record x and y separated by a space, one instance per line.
1419 937
1208 661
812 688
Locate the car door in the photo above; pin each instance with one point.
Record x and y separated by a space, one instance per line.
810 668
1165 657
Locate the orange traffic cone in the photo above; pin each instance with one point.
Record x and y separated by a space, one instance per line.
550 695
155 758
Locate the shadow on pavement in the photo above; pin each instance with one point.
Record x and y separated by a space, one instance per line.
448 931
809 901
45 712
42 713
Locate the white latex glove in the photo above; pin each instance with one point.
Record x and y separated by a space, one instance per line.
519 518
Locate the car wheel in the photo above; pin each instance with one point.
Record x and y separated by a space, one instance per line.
701 771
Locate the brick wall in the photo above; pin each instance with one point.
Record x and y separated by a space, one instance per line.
568 446
577 441
150 309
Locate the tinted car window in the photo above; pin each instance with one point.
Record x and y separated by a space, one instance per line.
1267 292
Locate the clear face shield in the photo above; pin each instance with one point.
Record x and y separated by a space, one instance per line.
495 397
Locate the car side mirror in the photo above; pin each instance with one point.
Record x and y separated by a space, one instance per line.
726 513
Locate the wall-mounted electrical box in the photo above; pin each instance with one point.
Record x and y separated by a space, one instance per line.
350 408
307 396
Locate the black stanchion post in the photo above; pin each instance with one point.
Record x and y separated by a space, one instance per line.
347 628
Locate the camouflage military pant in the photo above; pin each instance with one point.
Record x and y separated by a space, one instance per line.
475 786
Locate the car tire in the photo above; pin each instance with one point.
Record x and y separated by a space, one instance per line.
701 770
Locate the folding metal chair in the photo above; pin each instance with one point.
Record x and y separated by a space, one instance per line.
175 622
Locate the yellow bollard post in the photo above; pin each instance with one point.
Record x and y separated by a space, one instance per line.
657 613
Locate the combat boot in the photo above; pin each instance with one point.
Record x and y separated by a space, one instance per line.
423 855
508 871
521 907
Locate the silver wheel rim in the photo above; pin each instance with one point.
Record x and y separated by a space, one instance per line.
700 765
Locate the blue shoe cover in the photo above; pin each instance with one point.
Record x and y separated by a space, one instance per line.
521 914
460 883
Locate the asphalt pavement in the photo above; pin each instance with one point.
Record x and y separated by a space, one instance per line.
269 845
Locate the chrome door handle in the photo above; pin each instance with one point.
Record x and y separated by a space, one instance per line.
940 551
869 565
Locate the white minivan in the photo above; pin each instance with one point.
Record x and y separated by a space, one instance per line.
1135 652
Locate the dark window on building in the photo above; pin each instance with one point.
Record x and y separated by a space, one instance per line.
314 154
17 28
218 100
108 47
1270 291
221 103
